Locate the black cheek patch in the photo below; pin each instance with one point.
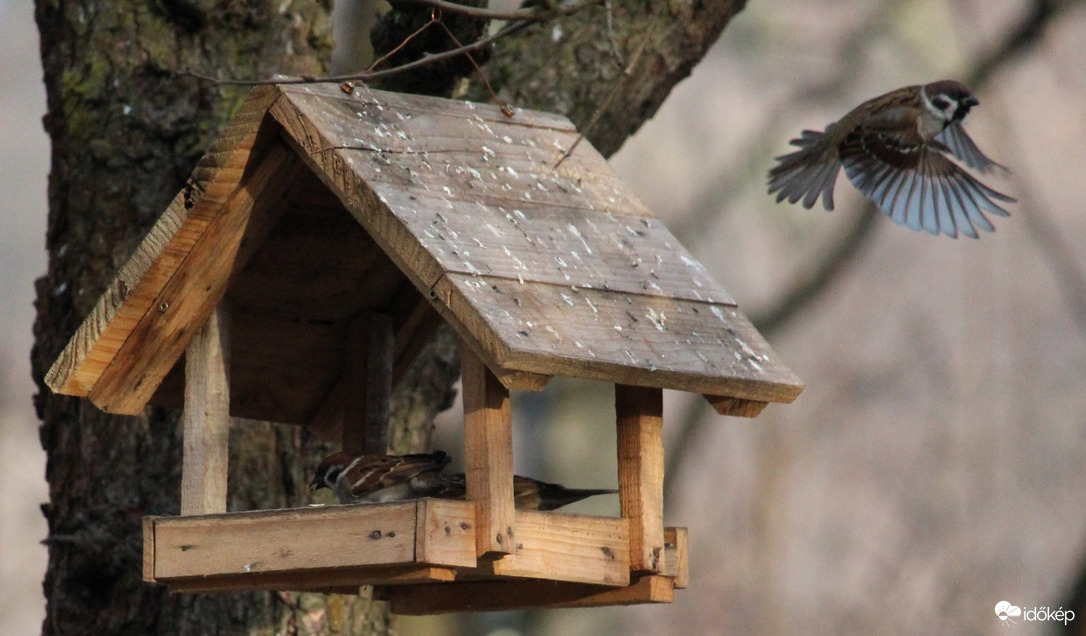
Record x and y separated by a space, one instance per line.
962 111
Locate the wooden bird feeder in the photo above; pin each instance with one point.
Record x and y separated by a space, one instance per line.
310 257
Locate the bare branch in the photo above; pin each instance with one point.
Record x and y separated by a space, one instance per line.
519 18
543 13
813 282
367 76
603 107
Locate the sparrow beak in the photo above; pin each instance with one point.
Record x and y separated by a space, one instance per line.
963 107
316 484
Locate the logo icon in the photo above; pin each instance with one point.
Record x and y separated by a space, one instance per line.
1005 611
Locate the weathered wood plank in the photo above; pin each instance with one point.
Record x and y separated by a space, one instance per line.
639 417
326 132
488 456
206 418
310 139
187 294
595 249
511 380
446 207
443 534
677 556
539 223
134 291
565 547
148 525
455 195
615 337
436 521
421 110
296 540
462 146
484 596
218 545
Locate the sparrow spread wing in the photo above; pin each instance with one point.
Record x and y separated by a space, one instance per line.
959 144
896 150
916 186
807 173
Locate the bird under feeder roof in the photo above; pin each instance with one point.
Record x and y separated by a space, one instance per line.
316 248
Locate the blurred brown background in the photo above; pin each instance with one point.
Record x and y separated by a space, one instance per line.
935 463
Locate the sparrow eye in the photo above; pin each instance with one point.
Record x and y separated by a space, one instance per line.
940 102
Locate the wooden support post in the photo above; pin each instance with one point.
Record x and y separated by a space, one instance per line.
368 379
414 330
677 555
488 449
639 416
206 418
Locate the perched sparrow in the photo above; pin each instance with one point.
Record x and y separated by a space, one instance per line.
528 493
894 151
532 494
379 478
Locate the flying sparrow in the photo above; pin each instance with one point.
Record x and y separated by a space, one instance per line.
380 478
894 150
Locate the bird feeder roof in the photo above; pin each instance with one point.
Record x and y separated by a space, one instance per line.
317 205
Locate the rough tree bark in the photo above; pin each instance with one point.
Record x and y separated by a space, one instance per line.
125 134
571 66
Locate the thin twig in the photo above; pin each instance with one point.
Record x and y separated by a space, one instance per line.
399 47
367 76
506 109
812 281
533 14
519 19
605 105
609 12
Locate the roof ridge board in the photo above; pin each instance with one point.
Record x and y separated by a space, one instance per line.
426 105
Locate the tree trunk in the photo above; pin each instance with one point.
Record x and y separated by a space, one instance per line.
579 66
125 135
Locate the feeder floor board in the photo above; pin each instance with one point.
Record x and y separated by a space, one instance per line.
426 540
